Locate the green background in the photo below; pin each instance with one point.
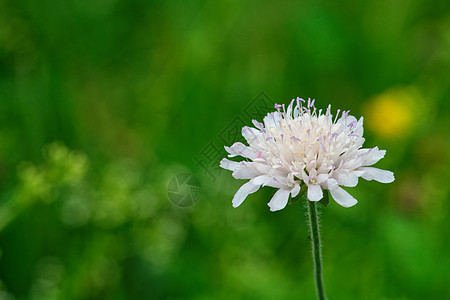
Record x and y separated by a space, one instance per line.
103 102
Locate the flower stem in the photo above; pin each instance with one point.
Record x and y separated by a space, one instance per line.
313 219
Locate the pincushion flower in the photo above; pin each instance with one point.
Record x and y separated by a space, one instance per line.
301 147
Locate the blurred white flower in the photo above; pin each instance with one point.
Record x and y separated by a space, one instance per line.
299 146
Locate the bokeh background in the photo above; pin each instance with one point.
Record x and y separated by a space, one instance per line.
103 102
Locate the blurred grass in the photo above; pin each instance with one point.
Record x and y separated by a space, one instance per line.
103 102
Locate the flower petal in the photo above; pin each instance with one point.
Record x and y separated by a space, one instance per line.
250 134
379 175
347 178
314 192
322 178
374 156
272 119
241 150
279 200
276 182
261 180
295 190
246 189
246 171
342 197
358 130
262 168
229 164
332 184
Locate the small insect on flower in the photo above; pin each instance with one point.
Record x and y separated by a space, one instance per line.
303 146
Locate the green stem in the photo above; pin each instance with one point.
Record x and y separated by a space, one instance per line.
313 219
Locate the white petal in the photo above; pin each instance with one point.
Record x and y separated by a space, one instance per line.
374 156
261 180
347 178
332 184
229 164
279 200
262 168
250 134
241 150
295 190
379 175
342 197
272 119
246 189
276 182
359 127
322 178
314 192
351 119
246 171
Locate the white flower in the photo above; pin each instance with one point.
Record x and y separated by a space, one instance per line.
299 146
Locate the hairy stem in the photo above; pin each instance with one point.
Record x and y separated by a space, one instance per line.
313 220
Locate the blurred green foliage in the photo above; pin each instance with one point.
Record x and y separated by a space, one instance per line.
103 102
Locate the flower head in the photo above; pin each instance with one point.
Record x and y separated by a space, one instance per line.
300 146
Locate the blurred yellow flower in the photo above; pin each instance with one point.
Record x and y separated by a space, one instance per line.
391 114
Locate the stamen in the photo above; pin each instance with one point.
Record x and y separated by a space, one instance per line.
337 114
277 107
290 105
331 139
258 124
